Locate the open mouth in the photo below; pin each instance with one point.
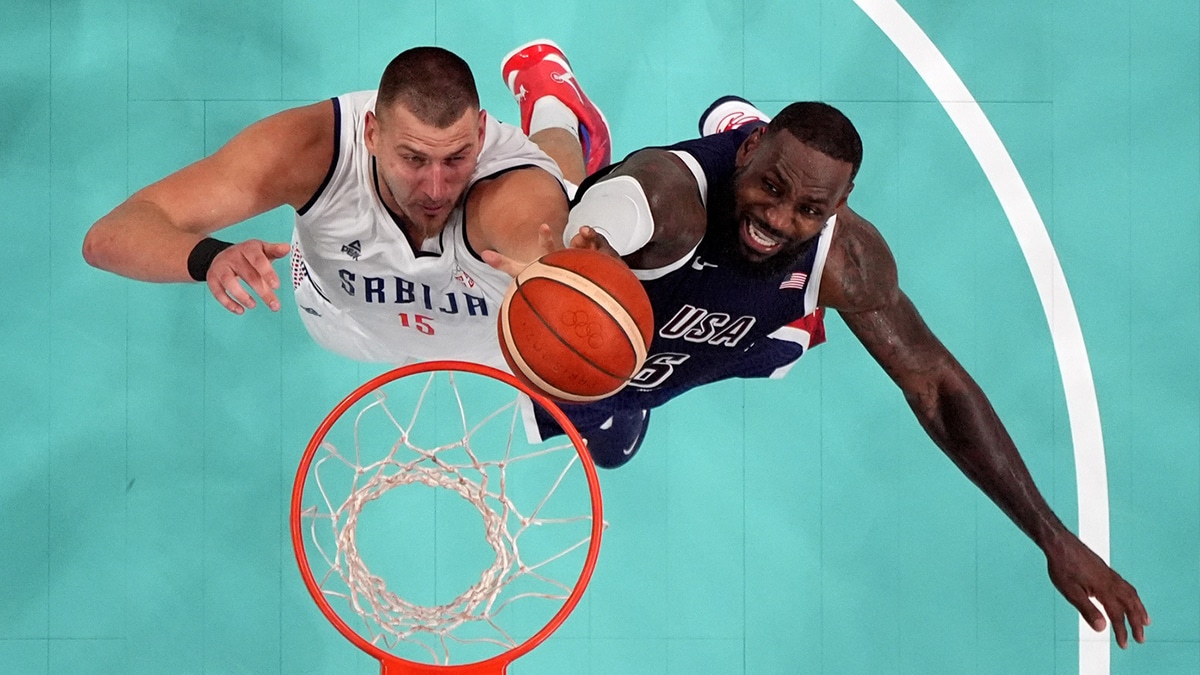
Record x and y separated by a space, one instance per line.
758 238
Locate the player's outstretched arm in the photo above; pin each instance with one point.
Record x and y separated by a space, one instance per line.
150 236
657 206
860 282
516 218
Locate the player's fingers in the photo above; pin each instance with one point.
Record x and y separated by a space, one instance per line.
501 262
587 238
591 239
548 240
217 288
1135 611
1138 627
277 251
232 286
264 290
1139 618
1082 602
1116 617
262 278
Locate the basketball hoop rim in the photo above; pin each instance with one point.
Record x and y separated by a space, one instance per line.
497 664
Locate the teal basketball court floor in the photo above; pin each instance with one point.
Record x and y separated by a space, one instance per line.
807 525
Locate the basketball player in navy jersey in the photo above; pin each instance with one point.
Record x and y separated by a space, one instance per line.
742 238
395 191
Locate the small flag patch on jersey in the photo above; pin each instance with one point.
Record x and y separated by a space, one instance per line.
463 278
795 280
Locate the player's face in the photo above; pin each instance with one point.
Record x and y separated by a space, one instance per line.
785 191
425 168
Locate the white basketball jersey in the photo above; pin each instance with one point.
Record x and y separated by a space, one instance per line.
362 290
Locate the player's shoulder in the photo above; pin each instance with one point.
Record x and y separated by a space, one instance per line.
515 189
304 142
280 159
673 193
671 187
294 137
860 271
303 122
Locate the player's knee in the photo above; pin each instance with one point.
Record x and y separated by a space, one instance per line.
616 441
610 458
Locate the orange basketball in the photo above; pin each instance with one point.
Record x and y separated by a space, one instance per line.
576 325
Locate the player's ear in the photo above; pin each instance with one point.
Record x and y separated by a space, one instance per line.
748 146
371 132
845 195
482 126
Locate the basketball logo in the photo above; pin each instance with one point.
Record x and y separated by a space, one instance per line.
576 325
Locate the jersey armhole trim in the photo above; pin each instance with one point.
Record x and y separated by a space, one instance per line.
697 171
813 291
693 165
659 272
337 148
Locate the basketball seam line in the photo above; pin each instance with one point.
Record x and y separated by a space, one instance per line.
523 365
520 362
596 294
569 346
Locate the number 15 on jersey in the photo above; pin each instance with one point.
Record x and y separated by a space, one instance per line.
423 324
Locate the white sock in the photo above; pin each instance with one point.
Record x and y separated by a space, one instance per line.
551 113
731 115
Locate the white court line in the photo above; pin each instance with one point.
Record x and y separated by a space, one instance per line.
1082 408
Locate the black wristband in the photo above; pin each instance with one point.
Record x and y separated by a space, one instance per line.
201 257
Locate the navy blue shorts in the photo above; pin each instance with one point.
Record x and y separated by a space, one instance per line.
613 437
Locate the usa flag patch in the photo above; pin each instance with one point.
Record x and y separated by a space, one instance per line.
795 280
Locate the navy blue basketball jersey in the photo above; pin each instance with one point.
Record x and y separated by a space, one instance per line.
714 316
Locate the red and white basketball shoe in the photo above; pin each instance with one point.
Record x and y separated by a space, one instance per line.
729 112
540 69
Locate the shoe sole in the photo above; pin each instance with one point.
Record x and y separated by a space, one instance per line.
508 57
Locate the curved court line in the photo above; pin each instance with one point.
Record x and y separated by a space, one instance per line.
1083 410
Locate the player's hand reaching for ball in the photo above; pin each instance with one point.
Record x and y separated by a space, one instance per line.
547 242
249 262
586 238
591 239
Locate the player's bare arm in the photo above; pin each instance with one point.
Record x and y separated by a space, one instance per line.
679 217
279 160
676 217
860 282
519 215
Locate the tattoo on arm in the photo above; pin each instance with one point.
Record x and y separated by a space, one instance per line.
955 413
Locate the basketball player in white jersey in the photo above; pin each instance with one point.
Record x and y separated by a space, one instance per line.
396 193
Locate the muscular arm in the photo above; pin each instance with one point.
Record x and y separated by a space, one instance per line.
504 214
279 160
674 197
860 282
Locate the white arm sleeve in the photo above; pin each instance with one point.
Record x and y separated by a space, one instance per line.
616 208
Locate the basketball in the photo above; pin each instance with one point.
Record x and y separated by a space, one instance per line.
575 325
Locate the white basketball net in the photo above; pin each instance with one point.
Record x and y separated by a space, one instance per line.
481 476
